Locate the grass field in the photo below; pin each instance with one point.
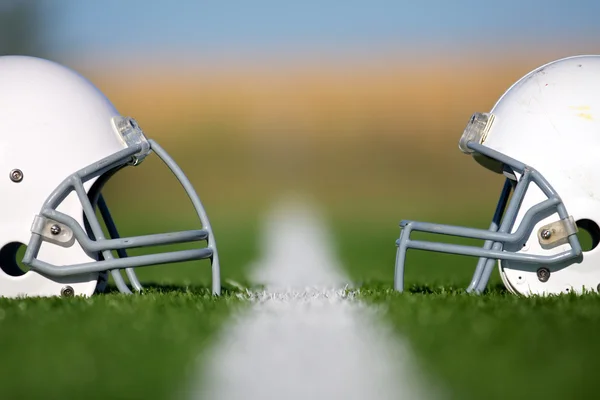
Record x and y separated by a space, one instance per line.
113 346
147 346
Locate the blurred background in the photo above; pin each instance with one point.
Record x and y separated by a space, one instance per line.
355 105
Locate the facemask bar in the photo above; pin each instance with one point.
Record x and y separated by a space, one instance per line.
62 230
122 253
97 200
509 185
497 236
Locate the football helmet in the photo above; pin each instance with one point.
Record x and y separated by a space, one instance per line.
543 134
61 140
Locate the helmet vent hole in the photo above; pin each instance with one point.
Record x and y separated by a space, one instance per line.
10 259
588 235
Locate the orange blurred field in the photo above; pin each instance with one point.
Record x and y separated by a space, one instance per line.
380 135
314 99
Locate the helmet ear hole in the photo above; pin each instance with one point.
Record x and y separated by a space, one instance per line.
588 234
11 255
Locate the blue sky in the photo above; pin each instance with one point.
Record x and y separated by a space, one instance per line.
220 26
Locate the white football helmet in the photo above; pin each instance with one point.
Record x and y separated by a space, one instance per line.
60 141
544 136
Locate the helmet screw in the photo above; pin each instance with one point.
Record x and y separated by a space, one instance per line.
546 234
67 291
16 175
543 274
55 229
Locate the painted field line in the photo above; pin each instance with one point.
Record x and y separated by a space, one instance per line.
305 336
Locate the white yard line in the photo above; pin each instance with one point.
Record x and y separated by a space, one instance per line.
303 337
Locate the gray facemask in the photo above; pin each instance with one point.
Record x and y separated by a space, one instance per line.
61 229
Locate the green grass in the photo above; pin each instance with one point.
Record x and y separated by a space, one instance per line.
498 345
109 346
146 346
495 345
